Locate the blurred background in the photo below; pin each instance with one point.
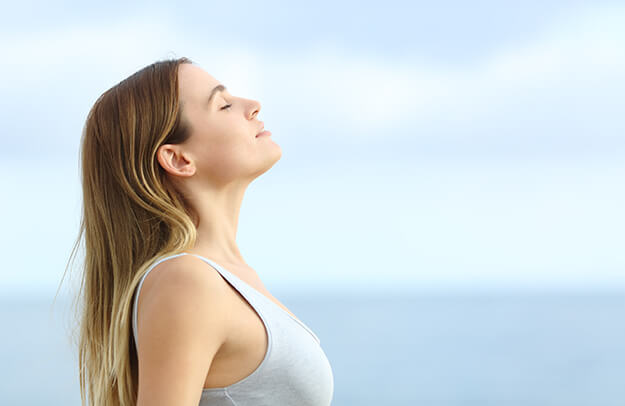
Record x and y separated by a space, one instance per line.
447 214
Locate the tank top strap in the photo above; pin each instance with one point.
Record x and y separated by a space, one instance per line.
259 302
250 294
256 299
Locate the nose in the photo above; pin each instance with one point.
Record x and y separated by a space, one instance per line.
254 109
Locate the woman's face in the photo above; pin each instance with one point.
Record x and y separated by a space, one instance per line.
223 143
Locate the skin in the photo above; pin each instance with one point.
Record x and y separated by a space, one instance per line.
184 343
218 162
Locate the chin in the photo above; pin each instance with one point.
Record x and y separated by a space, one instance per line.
269 162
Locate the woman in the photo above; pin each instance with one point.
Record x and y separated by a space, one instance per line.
172 314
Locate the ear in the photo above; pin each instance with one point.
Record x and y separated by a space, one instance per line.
174 160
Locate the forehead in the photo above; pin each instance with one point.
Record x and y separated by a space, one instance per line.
194 83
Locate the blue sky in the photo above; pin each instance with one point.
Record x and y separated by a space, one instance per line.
447 146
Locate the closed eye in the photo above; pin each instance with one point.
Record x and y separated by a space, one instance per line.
227 106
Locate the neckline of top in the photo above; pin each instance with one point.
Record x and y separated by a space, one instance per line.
221 268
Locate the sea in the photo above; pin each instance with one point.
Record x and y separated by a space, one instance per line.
432 349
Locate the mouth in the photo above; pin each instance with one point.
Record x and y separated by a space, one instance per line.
262 131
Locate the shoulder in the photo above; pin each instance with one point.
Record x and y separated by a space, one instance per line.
183 272
183 292
181 324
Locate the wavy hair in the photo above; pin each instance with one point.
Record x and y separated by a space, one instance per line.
131 216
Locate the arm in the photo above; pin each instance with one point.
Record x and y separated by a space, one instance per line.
181 325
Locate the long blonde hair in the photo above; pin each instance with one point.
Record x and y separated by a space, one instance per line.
131 216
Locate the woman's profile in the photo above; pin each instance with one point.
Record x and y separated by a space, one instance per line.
171 314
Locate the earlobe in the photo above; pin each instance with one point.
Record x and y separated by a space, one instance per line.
174 161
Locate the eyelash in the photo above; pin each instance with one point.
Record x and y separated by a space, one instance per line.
227 106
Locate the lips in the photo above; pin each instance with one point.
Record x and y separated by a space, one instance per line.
261 129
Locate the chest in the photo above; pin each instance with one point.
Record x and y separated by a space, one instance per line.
247 342
250 277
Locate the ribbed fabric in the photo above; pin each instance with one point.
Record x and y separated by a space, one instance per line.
295 370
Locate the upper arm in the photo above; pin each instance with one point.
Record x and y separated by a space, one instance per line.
181 324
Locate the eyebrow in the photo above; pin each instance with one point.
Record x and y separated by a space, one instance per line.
218 88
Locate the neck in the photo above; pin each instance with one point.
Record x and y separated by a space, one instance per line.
218 211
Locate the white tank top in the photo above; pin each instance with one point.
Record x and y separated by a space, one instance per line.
295 370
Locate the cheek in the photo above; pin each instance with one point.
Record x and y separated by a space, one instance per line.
225 156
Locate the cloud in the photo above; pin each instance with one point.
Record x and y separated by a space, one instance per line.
466 224
582 54
66 51
564 80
